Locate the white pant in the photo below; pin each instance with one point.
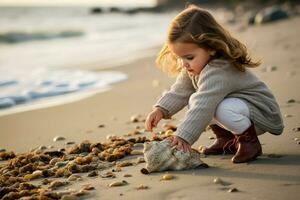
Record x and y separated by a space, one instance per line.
233 115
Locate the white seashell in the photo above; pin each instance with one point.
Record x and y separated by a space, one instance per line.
160 156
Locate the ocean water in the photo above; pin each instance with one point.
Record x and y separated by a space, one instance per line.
54 51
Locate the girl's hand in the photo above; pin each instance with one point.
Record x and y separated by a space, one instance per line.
180 143
153 118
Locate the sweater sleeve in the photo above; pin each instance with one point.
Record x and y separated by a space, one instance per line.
177 97
213 85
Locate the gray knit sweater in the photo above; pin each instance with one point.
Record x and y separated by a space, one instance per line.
202 93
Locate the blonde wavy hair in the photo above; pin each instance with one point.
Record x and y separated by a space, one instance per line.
198 26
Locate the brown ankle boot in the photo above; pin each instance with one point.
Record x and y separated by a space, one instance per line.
223 144
248 146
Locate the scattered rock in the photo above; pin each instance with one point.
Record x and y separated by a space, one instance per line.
136 152
118 183
58 138
232 190
124 164
218 181
101 126
167 177
127 175
92 174
69 143
291 101
297 129
288 115
108 175
296 139
142 187
211 137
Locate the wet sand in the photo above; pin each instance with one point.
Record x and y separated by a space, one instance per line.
269 177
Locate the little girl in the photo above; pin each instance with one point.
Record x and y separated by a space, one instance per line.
213 79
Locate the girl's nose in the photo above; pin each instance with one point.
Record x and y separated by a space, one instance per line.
185 64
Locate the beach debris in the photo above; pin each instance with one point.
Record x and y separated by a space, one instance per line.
70 143
58 138
118 183
232 190
297 129
124 164
101 126
291 101
142 187
136 152
7 155
108 175
92 174
167 177
160 156
218 180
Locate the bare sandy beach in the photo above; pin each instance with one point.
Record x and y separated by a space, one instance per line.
274 175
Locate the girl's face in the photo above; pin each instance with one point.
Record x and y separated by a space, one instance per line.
191 56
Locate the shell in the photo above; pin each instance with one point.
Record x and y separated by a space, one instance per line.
160 156
218 180
58 138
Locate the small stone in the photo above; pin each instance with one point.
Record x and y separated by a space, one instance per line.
54 161
232 190
88 187
140 145
218 181
127 175
136 152
74 177
101 126
58 138
287 115
42 148
296 139
211 137
108 175
69 143
167 177
296 129
169 133
272 68
118 183
142 187
93 174
135 118
124 164
291 101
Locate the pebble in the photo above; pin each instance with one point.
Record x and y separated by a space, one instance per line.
42 147
296 129
288 115
74 177
169 132
93 174
108 175
56 184
140 145
135 118
232 190
2 150
53 161
124 164
272 68
61 164
118 183
296 139
211 137
69 143
101 126
218 181
58 138
291 101
136 152
142 187
167 177
127 175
